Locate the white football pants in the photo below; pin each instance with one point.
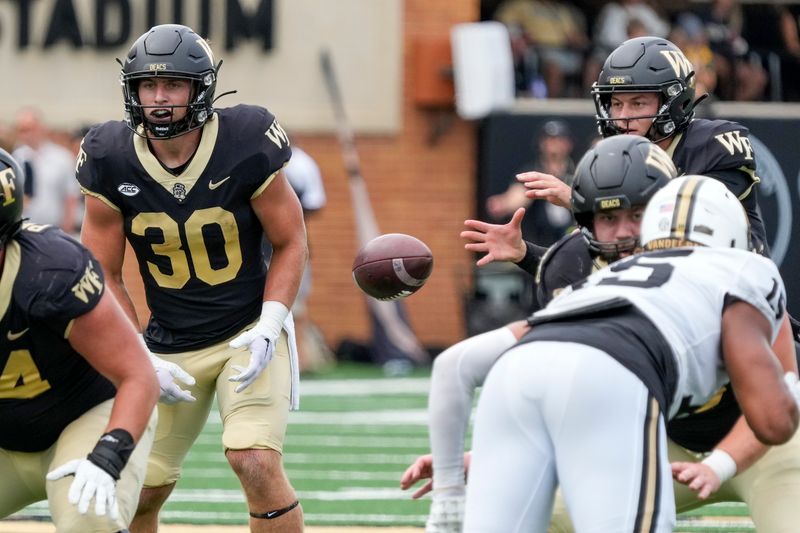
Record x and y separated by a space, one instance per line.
557 413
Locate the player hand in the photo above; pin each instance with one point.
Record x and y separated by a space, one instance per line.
90 482
699 477
422 468
500 242
260 340
167 372
547 186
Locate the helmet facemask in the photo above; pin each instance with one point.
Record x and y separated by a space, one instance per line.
198 109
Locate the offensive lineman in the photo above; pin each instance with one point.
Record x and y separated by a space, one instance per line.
613 182
612 360
194 189
77 393
460 369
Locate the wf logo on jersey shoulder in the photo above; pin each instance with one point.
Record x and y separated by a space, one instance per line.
277 134
89 285
734 142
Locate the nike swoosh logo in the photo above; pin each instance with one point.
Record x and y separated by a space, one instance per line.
212 185
271 514
14 336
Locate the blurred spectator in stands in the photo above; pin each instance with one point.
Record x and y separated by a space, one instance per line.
549 40
51 191
616 23
689 35
771 31
791 45
544 223
740 75
304 176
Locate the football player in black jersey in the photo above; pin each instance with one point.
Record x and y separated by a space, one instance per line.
77 393
647 87
194 189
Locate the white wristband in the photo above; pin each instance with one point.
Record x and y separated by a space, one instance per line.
722 464
273 315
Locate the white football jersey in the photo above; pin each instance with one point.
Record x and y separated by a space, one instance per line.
683 292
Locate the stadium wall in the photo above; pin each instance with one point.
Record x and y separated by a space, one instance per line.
62 54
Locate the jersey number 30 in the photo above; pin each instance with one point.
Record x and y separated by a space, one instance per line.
179 258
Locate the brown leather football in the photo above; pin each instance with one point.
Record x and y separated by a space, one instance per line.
392 266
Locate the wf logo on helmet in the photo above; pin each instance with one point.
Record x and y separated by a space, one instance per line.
678 62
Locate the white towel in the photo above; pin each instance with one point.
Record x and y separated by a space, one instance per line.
294 363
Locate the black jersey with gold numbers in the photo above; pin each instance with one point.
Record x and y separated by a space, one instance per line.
48 280
721 149
195 234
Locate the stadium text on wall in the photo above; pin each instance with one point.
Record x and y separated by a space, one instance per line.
112 21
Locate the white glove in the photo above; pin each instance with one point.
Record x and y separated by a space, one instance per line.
790 378
167 373
447 514
261 342
90 482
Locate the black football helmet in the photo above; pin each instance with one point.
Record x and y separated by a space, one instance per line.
620 172
10 197
170 51
648 65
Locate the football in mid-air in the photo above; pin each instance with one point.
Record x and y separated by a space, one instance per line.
392 266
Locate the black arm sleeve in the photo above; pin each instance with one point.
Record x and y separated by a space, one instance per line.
533 254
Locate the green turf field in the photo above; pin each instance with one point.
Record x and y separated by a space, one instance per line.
346 448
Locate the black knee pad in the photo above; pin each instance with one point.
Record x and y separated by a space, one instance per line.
269 515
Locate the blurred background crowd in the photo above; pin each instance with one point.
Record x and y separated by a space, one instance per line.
741 51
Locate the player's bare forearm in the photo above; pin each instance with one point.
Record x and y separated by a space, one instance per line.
104 235
108 341
756 375
281 217
120 292
742 445
285 272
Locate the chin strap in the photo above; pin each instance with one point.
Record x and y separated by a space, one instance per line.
269 515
